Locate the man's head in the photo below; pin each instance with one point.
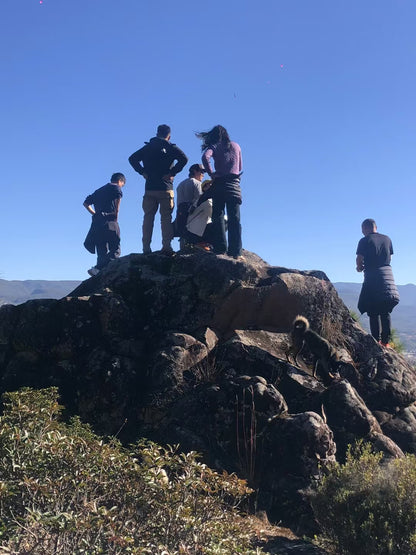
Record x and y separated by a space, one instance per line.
368 226
197 171
163 132
118 179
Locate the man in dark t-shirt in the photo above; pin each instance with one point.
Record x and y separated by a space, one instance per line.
379 293
104 234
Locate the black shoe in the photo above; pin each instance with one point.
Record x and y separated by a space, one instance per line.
167 252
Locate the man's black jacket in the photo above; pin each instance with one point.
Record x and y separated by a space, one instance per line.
157 159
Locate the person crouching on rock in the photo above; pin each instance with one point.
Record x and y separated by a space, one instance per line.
187 193
199 223
379 293
104 234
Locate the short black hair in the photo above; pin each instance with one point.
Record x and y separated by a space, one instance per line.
116 177
369 223
163 131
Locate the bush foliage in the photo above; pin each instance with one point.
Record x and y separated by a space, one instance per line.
367 507
64 490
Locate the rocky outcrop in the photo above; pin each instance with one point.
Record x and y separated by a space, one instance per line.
192 349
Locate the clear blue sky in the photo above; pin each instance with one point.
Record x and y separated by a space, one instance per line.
320 94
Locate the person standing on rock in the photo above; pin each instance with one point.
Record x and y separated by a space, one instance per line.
104 234
225 190
156 163
379 293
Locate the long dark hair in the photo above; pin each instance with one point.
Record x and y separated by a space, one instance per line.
218 134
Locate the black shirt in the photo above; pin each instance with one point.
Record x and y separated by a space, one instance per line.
376 250
104 199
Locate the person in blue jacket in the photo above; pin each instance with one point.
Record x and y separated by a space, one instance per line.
379 293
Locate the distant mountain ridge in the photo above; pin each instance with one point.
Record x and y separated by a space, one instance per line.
17 292
403 318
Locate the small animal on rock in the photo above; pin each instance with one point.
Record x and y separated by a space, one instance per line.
326 358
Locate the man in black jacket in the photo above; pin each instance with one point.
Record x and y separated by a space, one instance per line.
156 163
379 293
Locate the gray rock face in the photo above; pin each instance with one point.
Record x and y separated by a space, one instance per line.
193 350
347 414
291 455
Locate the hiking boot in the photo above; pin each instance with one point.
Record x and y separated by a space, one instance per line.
147 251
93 271
386 345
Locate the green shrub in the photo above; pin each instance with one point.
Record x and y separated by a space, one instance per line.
354 315
64 490
396 342
367 507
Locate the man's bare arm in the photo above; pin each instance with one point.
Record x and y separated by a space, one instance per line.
89 208
360 262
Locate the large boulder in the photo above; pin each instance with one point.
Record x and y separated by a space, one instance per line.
293 450
193 349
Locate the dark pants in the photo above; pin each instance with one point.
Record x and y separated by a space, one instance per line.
232 205
179 225
380 322
195 239
107 247
208 236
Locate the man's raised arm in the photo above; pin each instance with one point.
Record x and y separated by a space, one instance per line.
181 160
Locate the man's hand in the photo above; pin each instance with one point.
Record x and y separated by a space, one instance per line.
168 177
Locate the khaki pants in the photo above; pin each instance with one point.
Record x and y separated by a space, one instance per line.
153 200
